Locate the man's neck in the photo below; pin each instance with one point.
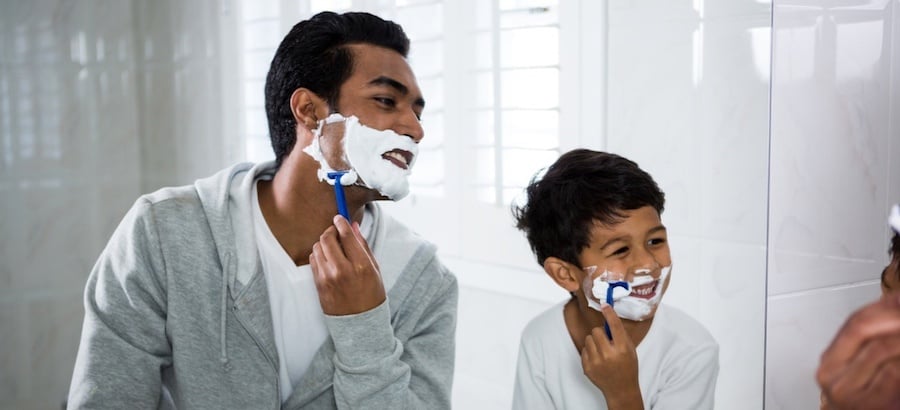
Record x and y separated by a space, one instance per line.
298 207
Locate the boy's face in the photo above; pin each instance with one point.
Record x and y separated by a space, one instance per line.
636 246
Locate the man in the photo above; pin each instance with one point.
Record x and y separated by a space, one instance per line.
861 367
246 290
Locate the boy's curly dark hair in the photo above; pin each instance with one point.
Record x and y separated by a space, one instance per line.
581 187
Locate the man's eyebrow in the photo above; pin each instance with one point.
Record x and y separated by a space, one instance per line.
402 89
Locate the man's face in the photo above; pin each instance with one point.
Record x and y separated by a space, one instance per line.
635 250
383 94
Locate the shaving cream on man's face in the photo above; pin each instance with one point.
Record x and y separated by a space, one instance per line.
637 302
379 160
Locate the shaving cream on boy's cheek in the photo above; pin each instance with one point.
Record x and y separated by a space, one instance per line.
626 305
363 154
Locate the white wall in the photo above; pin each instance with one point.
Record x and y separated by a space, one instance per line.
100 101
835 170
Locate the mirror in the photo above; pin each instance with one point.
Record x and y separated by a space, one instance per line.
688 100
682 88
96 110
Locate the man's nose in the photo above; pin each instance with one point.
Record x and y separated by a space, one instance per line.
411 126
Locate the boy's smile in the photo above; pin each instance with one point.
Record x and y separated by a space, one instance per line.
645 291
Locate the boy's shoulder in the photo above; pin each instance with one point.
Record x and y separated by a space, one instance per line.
547 330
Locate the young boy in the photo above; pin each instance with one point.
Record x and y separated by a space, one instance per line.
595 212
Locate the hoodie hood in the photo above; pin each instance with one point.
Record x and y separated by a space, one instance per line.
226 197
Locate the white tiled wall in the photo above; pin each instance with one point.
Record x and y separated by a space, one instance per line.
688 101
89 116
834 172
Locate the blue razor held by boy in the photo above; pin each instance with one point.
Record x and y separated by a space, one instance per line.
339 193
610 300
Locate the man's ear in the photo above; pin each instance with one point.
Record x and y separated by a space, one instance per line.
308 108
563 273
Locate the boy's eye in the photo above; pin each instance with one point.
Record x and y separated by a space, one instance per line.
620 251
388 102
657 241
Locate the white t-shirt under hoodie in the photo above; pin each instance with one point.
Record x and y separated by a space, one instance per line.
297 317
678 363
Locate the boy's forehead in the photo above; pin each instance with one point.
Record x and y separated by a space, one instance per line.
645 216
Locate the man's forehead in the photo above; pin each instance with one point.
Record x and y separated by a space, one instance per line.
376 66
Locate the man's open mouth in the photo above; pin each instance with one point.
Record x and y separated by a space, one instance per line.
400 158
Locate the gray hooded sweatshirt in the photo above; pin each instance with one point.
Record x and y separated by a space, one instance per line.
177 315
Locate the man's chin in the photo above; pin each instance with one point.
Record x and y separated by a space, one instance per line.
371 194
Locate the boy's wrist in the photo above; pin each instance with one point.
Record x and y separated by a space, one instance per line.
629 399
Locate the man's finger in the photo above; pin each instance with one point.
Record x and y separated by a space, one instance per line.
316 261
876 320
860 374
331 247
354 246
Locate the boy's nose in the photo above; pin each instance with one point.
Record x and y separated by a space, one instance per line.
651 269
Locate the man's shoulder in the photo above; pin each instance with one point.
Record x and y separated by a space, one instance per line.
184 194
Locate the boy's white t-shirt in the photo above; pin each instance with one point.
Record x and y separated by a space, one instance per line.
297 317
678 363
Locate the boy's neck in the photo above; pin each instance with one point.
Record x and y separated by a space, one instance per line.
580 321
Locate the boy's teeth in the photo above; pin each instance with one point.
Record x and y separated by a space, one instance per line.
644 291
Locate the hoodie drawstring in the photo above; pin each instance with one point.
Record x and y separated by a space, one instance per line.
223 358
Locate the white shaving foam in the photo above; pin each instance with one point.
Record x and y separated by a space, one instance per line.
625 305
894 219
363 149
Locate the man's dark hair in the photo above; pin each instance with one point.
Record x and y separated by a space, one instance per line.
895 245
894 252
314 55
581 187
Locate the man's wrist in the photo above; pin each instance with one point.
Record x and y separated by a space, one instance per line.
360 338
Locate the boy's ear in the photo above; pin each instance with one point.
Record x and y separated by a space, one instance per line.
563 273
308 108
